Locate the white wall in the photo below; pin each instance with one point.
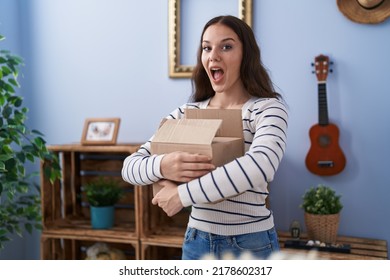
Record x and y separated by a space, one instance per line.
101 58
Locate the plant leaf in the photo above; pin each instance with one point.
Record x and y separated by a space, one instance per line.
28 227
20 198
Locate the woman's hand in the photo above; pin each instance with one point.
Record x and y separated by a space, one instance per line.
184 167
168 198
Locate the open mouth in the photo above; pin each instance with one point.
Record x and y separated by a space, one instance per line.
216 73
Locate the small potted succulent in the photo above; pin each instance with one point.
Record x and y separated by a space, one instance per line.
322 208
102 194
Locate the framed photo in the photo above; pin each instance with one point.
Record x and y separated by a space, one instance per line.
100 131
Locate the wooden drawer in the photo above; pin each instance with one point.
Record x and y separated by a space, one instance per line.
159 252
156 228
64 203
64 246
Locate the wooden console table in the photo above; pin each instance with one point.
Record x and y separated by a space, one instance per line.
361 248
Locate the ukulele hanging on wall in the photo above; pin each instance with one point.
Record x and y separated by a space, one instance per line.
325 157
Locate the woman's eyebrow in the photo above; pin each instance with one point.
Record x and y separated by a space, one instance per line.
223 40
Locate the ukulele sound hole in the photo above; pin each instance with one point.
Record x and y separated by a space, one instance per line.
324 140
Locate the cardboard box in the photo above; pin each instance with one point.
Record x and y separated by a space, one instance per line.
211 132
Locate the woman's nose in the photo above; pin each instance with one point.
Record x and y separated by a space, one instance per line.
214 56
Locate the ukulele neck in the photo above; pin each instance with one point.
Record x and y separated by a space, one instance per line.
323 118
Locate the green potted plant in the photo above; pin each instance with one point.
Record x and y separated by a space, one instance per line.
322 208
19 194
102 194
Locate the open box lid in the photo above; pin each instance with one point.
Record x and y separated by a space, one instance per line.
231 120
187 131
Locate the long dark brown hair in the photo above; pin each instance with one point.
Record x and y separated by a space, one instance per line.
253 74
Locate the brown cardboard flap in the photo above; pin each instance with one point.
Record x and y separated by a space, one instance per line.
187 131
231 120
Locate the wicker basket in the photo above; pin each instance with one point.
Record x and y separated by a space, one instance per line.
322 227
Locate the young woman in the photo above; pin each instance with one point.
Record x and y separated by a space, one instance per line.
228 75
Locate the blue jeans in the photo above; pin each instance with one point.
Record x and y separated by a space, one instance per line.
197 244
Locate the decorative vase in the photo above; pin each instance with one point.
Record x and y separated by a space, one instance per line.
102 217
322 227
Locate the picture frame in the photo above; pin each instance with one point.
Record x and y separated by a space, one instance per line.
100 131
178 69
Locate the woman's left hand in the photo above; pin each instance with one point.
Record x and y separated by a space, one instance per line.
168 198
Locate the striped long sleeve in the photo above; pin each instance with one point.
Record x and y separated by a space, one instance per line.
143 168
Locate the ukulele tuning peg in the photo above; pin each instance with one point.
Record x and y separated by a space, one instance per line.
312 64
331 70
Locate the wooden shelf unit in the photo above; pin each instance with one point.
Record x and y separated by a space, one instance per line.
65 211
361 248
141 230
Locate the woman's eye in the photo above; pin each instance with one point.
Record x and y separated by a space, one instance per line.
226 47
206 48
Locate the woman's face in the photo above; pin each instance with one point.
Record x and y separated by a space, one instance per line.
221 57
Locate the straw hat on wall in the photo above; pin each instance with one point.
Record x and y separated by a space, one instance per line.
365 11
